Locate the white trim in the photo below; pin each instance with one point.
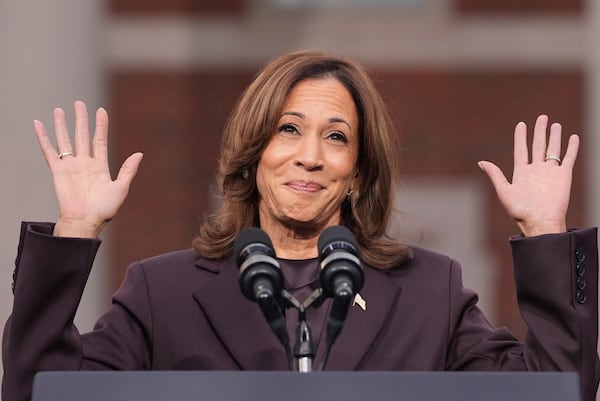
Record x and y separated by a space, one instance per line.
402 40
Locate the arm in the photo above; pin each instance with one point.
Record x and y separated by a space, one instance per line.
556 278
52 271
561 319
40 334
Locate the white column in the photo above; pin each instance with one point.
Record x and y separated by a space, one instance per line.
592 88
592 113
50 55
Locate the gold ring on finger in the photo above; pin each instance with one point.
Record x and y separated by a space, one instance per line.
64 154
555 158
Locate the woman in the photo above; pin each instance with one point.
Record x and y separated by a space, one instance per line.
308 146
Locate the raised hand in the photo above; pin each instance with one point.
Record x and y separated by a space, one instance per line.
538 196
86 194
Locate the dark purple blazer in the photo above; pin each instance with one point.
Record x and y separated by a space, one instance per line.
182 311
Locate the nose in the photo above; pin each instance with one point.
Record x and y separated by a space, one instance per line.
309 153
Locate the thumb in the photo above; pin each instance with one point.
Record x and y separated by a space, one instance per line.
129 169
495 175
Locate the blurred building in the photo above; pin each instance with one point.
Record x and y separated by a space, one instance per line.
458 75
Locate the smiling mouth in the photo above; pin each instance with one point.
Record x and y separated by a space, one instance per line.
304 186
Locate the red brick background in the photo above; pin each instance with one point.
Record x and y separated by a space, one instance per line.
176 121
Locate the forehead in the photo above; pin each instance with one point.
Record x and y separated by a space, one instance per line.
323 94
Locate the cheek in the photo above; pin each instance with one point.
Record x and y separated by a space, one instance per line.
272 156
346 168
261 181
265 177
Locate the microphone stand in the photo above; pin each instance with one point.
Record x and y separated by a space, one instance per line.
304 349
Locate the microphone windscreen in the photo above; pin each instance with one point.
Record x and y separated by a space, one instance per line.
250 235
338 236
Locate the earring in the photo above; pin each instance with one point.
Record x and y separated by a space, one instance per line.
349 193
245 174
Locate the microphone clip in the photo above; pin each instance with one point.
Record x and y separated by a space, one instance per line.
304 348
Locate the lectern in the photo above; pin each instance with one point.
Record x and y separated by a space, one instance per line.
314 386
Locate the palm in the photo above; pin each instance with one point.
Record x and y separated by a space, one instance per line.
538 191
84 188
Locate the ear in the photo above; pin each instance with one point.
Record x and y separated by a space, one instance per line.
354 180
353 186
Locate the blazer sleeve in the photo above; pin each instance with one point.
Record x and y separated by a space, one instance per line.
556 278
49 279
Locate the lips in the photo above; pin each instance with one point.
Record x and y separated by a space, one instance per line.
304 186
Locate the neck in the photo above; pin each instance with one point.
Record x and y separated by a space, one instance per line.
293 242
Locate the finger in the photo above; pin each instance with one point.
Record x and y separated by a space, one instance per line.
571 153
554 143
82 129
129 169
495 175
46 145
63 141
100 149
538 145
521 153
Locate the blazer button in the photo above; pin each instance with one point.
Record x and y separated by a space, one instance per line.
580 267
580 254
581 297
581 283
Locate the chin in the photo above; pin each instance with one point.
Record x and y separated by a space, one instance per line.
301 222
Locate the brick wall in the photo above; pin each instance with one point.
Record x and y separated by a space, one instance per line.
175 119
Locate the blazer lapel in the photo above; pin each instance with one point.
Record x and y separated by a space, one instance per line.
238 322
243 330
362 326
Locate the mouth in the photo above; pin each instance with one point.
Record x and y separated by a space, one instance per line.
304 186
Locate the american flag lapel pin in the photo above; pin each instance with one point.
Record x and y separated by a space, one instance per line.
360 301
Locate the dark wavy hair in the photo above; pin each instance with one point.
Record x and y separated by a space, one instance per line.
253 122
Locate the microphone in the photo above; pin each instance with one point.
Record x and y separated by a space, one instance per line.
261 280
341 275
260 275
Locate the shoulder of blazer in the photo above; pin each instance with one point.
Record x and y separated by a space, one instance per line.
425 263
184 259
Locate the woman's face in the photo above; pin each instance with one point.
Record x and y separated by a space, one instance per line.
309 165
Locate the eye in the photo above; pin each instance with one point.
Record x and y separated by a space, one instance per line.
338 137
288 128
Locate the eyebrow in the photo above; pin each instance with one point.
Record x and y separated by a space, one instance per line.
331 120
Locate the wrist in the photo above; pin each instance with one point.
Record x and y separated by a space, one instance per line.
77 229
541 228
